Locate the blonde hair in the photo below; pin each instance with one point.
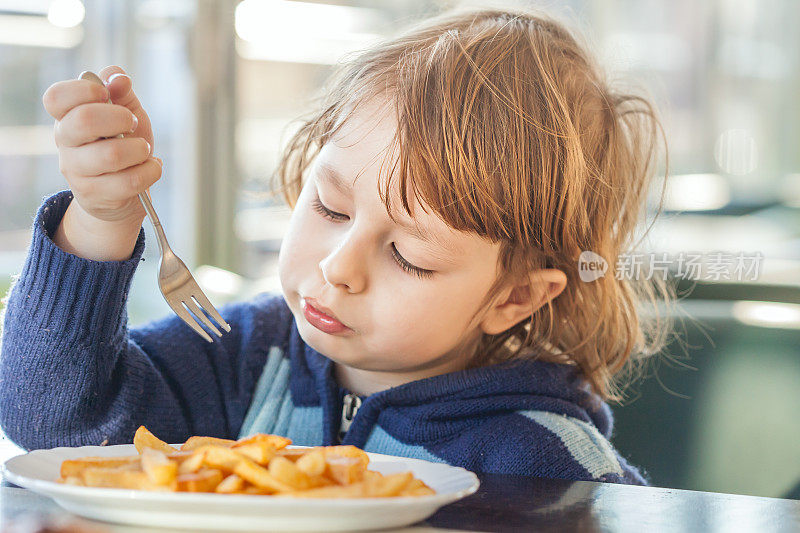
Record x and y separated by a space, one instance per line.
507 130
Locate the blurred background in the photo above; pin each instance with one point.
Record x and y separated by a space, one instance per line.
223 80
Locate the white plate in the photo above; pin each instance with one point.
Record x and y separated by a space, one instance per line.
39 469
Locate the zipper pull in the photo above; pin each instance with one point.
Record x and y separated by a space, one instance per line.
350 406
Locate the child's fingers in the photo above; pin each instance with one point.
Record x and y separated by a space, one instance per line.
88 122
120 87
63 96
103 192
103 157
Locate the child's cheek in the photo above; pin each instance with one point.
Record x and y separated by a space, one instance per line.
407 319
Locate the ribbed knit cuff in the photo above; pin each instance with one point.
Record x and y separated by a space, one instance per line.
68 296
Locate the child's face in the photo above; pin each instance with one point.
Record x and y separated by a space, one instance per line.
400 327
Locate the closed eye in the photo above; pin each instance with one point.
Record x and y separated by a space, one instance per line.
421 273
325 212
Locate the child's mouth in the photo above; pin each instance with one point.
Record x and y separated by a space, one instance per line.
321 321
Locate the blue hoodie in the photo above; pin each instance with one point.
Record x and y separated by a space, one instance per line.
72 373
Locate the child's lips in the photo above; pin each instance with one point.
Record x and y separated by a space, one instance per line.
320 318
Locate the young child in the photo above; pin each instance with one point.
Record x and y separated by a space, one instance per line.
431 305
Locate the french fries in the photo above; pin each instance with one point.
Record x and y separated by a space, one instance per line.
195 442
158 467
144 439
260 464
71 468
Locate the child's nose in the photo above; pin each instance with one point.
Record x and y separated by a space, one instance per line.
345 267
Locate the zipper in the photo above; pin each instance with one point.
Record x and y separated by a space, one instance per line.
350 406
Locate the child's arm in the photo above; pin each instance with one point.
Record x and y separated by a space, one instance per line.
70 371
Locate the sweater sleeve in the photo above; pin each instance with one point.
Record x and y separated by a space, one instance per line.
71 373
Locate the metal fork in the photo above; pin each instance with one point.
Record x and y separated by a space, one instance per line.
179 288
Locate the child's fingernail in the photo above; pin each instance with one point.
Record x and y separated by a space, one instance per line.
114 76
135 123
148 147
160 162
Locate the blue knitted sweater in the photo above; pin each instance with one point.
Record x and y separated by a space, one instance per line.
72 373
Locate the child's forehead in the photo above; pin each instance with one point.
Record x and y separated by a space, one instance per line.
364 152
370 127
365 147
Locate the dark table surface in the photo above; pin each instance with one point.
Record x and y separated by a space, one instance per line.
516 503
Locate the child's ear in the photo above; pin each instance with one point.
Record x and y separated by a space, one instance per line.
516 303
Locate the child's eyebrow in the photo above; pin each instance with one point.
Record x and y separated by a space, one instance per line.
332 177
329 175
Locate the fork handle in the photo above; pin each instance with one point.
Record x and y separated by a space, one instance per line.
161 237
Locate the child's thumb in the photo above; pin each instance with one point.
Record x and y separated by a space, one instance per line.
120 87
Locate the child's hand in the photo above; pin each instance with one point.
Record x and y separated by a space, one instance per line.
105 175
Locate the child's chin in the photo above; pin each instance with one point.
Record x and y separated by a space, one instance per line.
320 341
329 346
